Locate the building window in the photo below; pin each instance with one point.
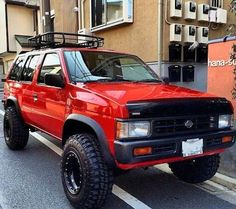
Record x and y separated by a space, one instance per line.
106 13
216 3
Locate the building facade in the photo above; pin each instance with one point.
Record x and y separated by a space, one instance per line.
170 35
19 20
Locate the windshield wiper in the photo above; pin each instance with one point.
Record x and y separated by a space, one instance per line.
149 80
107 80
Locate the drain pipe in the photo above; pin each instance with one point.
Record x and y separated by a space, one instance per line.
160 36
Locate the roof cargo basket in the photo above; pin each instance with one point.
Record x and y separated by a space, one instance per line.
58 39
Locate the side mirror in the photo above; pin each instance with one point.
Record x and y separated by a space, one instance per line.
54 80
166 80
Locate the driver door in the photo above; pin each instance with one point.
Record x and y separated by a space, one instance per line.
49 101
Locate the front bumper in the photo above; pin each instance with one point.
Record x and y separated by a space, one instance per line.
165 148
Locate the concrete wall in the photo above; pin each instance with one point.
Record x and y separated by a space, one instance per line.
3 38
20 22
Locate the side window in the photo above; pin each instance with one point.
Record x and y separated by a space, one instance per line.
29 68
51 64
16 69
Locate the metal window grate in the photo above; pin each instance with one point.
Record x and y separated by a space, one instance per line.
217 3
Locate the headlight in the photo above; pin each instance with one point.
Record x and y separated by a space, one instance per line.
225 121
132 129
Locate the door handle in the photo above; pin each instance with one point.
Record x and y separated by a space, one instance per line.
35 96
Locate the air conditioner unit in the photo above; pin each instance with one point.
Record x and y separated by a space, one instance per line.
189 33
190 10
202 35
203 12
176 8
175 33
221 16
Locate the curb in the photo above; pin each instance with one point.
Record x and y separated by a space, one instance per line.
224 180
219 178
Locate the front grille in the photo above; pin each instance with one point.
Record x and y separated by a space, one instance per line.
188 124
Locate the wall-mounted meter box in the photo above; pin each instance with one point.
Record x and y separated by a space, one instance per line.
190 10
188 73
175 8
202 35
174 73
221 16
189 33
175 33
175 52
203 12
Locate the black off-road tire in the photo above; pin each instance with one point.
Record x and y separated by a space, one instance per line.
196 170
16 133
86 179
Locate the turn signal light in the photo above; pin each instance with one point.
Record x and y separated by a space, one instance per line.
142 151
226 139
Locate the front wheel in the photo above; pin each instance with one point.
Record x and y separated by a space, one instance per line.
196 170
86 179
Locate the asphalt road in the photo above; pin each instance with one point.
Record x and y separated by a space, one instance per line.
30 179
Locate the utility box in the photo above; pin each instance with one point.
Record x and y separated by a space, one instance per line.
175 8
202 53
174 73
175 52
189 55
203 12
189 33
188 73
175 33
221 16
202 35
190 8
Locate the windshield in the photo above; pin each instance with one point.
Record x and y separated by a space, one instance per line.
87 66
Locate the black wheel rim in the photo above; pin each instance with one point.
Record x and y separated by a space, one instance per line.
7 129
73 173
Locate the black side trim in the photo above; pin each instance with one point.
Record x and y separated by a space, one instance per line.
100 135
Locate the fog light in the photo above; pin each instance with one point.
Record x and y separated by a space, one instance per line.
226 139
142 151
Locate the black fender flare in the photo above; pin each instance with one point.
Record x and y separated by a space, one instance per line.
102 140
12 99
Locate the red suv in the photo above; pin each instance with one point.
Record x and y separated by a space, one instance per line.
111 112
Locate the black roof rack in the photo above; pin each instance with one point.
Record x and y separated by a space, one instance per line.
58 39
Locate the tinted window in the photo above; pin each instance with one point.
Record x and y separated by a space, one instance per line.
51 64
16 69
94 66
29 68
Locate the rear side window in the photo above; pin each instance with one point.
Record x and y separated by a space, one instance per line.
51 64
16 69
29 68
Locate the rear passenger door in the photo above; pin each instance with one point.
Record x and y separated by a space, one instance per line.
49 102
26 78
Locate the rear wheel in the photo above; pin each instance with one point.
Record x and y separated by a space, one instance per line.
196 170
86 179
16 133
